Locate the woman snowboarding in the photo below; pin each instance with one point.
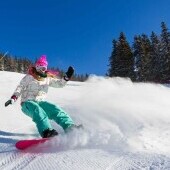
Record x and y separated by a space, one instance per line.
33 89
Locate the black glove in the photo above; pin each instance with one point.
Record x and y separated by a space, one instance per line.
69 73
8 103
11 101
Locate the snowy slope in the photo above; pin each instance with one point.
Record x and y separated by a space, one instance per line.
127 126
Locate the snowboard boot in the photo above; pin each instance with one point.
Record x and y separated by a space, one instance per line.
49 133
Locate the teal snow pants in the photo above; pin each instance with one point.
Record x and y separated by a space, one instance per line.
42 111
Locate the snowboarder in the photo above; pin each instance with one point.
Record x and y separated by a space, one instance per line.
33 89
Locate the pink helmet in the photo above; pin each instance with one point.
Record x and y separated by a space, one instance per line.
41 64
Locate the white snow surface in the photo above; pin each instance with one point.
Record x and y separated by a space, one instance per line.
126 126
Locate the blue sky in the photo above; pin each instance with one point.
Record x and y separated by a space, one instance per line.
76 32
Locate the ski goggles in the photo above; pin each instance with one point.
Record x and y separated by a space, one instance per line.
41 68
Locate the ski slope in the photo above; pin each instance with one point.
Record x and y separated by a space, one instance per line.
127 126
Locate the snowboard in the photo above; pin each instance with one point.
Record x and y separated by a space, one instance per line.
24 144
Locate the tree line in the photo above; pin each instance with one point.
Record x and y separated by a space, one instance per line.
146 60
21 65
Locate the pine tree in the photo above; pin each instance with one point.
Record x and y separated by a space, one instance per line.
143 60
26 64
113 70
7 63
121 60
12 64
165 53
155 56
137 53
20 66
1 62
146 58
